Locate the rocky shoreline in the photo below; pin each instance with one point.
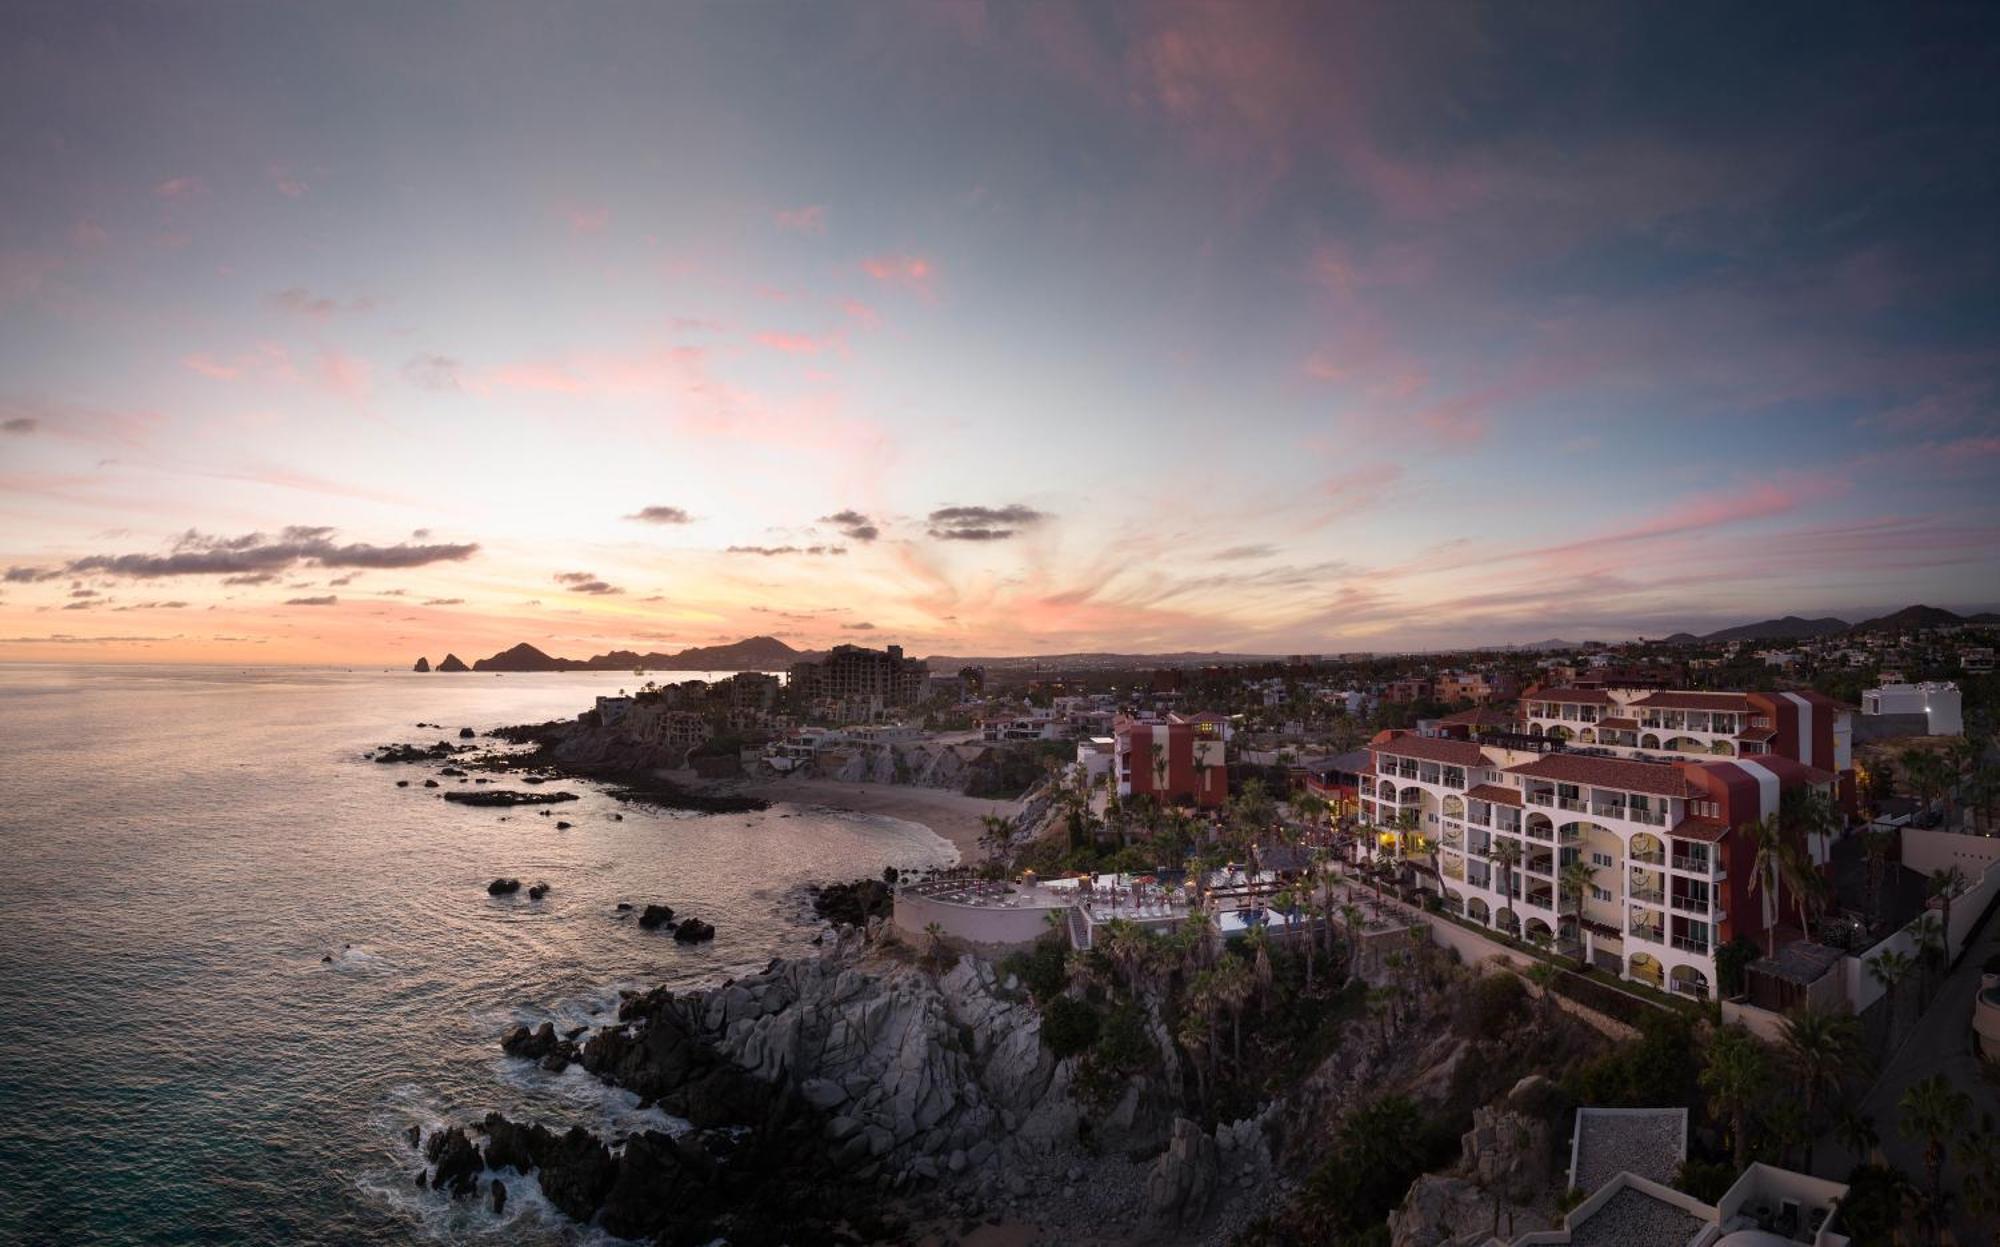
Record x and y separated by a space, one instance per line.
846 1098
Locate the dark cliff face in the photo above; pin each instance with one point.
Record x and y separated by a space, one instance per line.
523 657
423 664
757 653
452 662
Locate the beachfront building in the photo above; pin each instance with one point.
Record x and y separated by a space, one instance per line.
1642 722
865 682
1181 760
1491 826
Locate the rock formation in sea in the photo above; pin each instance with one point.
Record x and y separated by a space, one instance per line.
452 663
423 664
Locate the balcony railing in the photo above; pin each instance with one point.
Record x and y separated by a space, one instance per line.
1544 834
1570 835
1573 805
1647 935
1650 859
1688 944
1648 896
1631 813
1690 904
1697 865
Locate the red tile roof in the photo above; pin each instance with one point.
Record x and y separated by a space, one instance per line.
1630 725
1432 749
1652 778
1495 793
1709 830
1738 702
1757 733
1481 716
1572 696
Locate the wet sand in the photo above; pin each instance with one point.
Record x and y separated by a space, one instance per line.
951 815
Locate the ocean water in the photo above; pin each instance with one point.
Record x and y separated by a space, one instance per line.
180 847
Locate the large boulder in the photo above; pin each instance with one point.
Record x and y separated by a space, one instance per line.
532 1045
654 917
1183 1179
503 887
455 1162
693 931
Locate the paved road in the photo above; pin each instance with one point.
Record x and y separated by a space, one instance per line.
1940 1043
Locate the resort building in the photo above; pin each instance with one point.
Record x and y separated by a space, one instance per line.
869 679
1180 761
1639 722
1491 827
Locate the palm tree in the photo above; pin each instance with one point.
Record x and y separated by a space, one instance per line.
1234 982
996 837
1947 883
1506 855
1734 1076
1935 1111
1930 951
1979 1157
1878 845
1890 968
1823 1048
1576 881
1543 974
1766 869
1856 1132
935 934
1197 1035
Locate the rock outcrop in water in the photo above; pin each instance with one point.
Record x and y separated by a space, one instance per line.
452 663
423 664
509 796
815 1089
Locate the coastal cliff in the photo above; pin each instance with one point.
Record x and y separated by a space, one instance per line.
825 1091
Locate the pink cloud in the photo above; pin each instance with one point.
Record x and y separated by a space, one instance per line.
209 366
179 188
810 219
585 219
345 375
860 313
87 235
285 184
912 272
792 343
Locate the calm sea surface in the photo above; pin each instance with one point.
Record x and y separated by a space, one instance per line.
179 848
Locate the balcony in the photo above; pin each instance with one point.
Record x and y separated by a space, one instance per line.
1657 857
1544 834
1647 935
1570 835
1690 904
1693 865
1648 896
1541 798
1688 944
1652 818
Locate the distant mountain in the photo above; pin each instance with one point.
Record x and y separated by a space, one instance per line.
1681 638
1790 628
757 653
1911 618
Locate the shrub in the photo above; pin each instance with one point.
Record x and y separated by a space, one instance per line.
1707 1181
1492 1007
1068 1026
1043 968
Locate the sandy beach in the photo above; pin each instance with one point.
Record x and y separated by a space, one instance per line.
952 815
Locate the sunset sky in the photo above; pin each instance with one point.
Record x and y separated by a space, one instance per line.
353 332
